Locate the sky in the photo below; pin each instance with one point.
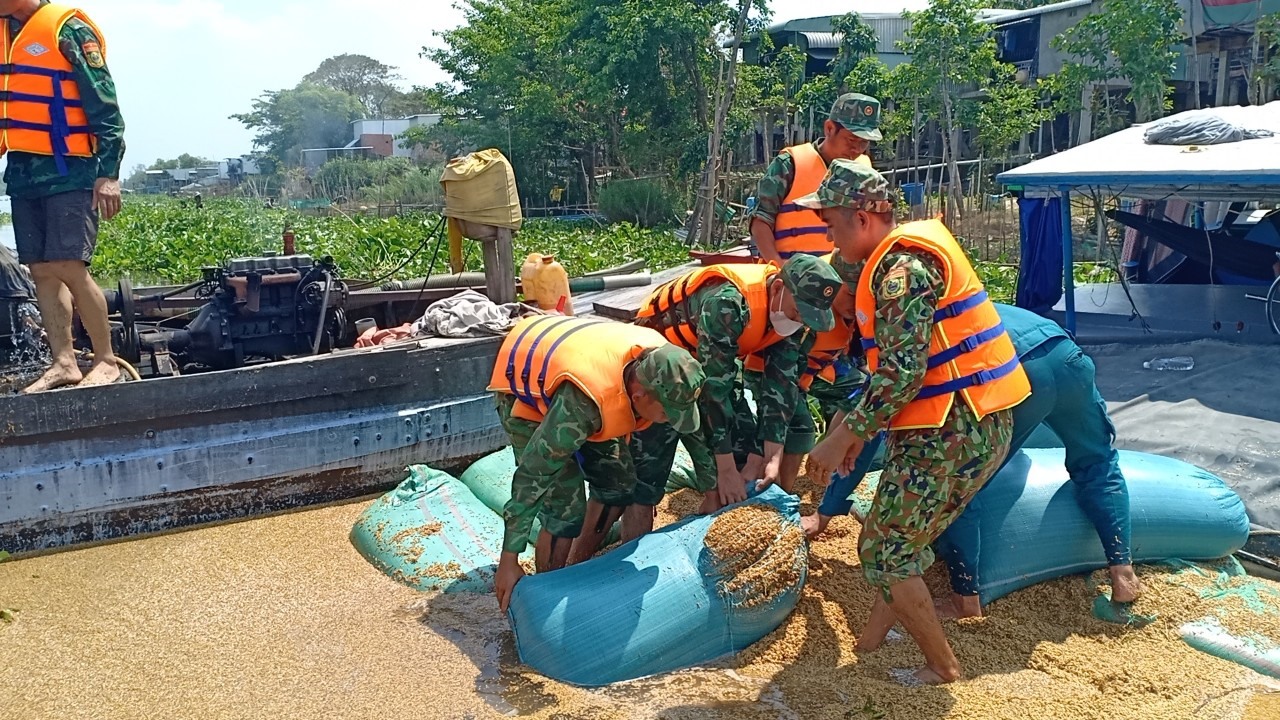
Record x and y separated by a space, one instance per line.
182 67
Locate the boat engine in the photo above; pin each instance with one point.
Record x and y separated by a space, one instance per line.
267 307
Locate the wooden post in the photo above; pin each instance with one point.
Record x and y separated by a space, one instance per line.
1224 70
500 268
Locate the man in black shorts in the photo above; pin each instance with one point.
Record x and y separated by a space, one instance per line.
64 144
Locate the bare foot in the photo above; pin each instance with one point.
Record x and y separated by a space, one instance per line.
1125 585
56 376
102 373
958 606
926 676
814 525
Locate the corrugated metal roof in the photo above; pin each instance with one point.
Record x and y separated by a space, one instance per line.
822 40
1042 10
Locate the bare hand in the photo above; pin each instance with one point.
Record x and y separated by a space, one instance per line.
731 487
754 468
504 583
851 457
772 472
824 460
106 197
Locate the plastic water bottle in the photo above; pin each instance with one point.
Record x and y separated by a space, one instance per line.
1181 363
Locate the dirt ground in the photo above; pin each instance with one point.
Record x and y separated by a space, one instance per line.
280 618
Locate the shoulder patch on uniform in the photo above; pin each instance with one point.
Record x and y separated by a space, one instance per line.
93 54
894 284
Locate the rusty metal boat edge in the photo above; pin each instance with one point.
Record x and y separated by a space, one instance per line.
91 464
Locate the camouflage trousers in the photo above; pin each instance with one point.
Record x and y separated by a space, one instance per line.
562 500
929 477
654 451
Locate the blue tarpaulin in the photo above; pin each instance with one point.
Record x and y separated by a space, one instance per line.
1040 272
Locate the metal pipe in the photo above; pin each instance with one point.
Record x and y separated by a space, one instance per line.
324 308
613 282
459 280
623 269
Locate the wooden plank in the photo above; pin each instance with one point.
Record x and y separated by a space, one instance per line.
345 380
622 304
500 268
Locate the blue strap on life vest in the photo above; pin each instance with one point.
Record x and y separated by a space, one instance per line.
546 361
511 360
981 377
967 345
59 128
796 232
944 313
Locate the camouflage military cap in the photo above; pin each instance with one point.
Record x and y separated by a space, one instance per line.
852 185
675 377
859 114
814 284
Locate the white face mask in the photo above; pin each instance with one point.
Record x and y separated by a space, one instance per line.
782 324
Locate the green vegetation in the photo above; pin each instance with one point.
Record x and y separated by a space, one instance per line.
647 203
165 241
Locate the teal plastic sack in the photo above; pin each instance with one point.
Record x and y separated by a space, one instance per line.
1033 529
659 603
431 533
489 479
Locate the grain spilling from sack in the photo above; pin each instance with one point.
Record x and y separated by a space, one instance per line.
757 552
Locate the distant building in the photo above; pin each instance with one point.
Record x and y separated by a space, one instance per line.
371 138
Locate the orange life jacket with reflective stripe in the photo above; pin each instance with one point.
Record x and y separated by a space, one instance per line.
41 109
797 229
659 310
827 347
969 351
543 351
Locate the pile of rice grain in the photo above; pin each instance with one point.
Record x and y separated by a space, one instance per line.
757 553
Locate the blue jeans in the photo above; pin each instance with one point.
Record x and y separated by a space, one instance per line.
1065 397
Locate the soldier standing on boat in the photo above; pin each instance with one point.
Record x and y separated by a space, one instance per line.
64 136
722 314
569 392
944 377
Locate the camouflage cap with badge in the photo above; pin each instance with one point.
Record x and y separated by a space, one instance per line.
859 114
675 378
814 284
850 184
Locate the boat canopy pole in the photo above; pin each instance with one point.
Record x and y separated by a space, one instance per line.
1068 269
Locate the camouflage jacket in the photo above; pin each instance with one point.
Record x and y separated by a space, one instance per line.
32 176
903 326
774 186
574 417
722 314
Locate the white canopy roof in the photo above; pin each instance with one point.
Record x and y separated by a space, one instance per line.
1122 164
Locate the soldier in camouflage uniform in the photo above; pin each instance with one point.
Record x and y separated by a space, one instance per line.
555 460
930 474
832 397
850 128
58 200
719 313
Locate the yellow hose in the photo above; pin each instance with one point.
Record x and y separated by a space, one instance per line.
124 365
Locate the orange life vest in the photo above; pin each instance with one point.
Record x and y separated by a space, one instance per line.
969 351
658 310
798 229
543 351
42 111
827 347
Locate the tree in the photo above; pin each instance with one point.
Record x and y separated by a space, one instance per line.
183 161
952 53
568 84
373 83
1133 40
1266 75
308 116
857 43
